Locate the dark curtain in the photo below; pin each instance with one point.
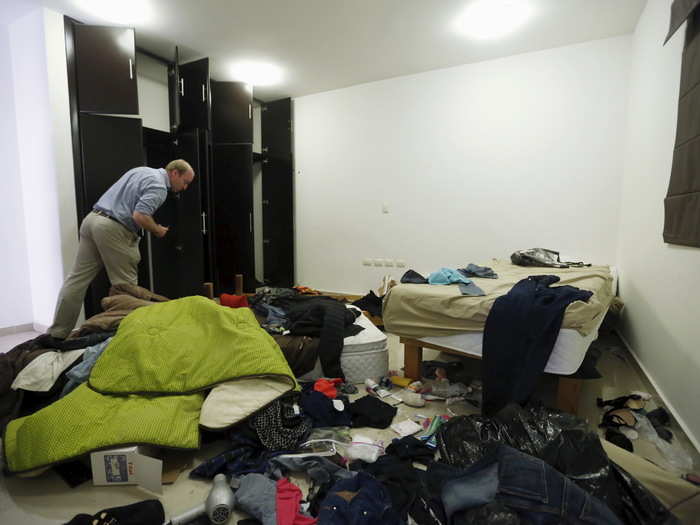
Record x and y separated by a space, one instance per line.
682 203
680 10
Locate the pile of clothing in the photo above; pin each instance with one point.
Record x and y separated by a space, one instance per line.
169 369
532 465
295 319
35 373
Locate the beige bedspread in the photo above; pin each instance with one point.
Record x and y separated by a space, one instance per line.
420 310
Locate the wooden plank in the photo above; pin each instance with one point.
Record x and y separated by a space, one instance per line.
568 393
412 357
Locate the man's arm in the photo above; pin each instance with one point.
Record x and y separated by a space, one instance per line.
147 223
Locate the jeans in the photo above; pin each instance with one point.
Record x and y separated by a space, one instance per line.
527 485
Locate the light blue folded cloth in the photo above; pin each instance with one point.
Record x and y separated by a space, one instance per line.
447 276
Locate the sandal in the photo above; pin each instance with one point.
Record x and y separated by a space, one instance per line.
632 401
618 417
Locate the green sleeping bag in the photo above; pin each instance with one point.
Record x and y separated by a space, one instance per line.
85 420
142 388
187 345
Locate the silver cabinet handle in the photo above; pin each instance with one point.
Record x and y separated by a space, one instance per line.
250 111
250 221
204 99
131 69
204 223
182 87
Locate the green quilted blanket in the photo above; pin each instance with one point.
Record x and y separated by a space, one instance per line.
85 420
184 346
142 388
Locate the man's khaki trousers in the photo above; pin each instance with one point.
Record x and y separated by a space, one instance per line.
103 243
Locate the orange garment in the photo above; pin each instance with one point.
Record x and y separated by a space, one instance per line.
327 387
234 301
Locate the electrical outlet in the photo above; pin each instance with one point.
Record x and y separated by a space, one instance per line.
379 262
366 262
400 263
389 262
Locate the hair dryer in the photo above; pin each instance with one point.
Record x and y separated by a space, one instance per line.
218 505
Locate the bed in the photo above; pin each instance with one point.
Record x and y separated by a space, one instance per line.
440 318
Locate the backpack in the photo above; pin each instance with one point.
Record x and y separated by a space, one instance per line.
542 257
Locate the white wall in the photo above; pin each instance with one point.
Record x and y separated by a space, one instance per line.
44 154
659 282
473 162
152 82
15 290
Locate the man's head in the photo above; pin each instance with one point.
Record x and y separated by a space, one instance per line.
180 174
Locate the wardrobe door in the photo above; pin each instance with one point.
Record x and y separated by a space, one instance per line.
195 99
190 225
105 59
177 259
277 193
232 200
111 146
162 271
174 93
201 140
232 112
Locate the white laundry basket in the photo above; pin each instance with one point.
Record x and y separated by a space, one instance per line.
365 355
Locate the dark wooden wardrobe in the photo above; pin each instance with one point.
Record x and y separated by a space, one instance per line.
211 126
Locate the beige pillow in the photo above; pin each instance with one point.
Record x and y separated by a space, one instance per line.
231 402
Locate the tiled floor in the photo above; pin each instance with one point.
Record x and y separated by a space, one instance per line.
7 342
48 500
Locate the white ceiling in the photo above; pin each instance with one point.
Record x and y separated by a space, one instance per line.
329 44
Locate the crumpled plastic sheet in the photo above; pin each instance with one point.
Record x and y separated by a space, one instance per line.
489 514
679 460
563 441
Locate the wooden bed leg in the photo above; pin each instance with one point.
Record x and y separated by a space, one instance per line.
208 290
412 357
568 391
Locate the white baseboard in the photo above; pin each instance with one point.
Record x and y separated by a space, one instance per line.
41 328
9 330
676 415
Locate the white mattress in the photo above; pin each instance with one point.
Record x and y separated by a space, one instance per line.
364 354
567 355
371 338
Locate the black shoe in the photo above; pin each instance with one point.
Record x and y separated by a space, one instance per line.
48 341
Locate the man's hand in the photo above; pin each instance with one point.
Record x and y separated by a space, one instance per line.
161 231
147 223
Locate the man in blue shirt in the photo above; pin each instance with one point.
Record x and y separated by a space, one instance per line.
109 235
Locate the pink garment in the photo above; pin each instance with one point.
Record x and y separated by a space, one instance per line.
287 501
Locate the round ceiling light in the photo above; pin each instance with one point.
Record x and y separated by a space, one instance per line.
256 73
485 19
